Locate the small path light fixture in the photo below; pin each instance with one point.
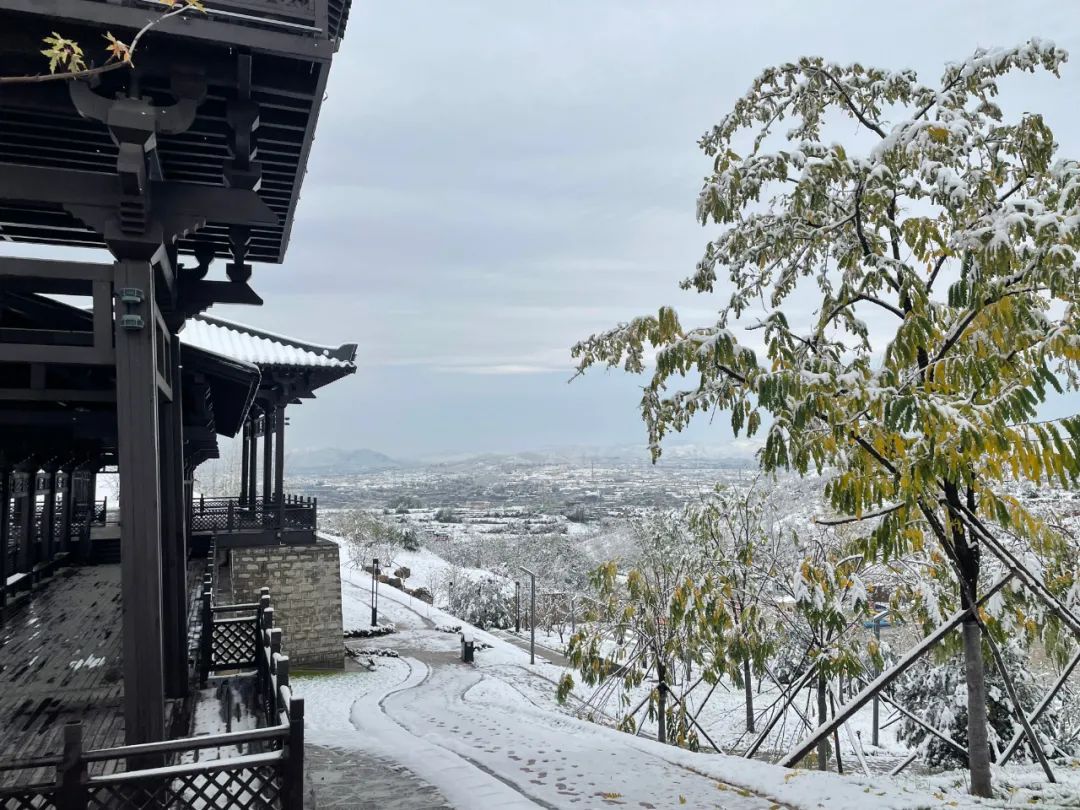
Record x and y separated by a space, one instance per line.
517 605
532 614
374 591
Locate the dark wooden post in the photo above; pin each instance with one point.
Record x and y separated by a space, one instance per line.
48 515
244 461
86 546
173 533
268 455
136 326
253 465
66 507
23 493
71 793
91 490
279 465
5 529
274 713
294 765
206 639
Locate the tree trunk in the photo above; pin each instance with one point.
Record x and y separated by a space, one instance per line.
661 704
823 717
748 689
978 739
966 556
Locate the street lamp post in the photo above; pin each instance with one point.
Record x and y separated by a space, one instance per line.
374 591
517 605
532 614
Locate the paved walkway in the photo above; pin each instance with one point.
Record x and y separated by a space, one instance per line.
339 777
542 653
432 732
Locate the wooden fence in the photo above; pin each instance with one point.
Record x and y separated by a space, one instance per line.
235 639
291 519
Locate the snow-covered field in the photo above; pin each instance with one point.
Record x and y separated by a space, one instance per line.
492 734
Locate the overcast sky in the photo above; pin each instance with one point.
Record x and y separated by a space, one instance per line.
492 181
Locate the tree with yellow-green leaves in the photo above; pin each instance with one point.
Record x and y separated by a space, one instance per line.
896 311
67 60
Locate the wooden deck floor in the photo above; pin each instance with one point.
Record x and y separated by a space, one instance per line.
60 661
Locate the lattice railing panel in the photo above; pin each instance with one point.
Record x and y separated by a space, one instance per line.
233 644
27 799
242 788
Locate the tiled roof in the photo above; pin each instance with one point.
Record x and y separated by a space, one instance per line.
263 348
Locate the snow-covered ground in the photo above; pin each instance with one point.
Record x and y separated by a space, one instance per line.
492 734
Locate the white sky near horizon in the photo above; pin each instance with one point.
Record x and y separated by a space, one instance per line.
493 181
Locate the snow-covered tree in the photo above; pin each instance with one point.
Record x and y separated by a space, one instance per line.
368 537
482 602
733 534
911 296
642 625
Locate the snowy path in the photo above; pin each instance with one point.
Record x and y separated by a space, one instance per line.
483 735
491 735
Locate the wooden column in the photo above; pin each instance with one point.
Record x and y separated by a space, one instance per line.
48 516
244 461
91 488
173 533
65 511
279 464
268 454
253 464
140 506
5 527
23 492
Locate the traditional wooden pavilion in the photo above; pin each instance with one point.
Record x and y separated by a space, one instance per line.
195 154
290 372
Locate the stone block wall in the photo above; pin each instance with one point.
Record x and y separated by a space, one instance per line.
305 591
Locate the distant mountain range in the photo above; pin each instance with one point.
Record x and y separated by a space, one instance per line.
338 461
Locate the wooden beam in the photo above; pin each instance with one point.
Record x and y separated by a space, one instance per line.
213 28
823 731
174 536
140 511
56 395
171 200
52 269
66 355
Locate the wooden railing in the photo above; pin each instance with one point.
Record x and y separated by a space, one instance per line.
268 774
291 519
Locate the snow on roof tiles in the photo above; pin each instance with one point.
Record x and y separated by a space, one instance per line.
262 348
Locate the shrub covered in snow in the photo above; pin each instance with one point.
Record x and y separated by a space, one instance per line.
936 692
481 603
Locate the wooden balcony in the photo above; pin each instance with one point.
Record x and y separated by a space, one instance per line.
62 709
236 522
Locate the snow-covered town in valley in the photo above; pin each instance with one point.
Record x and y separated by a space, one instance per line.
573 405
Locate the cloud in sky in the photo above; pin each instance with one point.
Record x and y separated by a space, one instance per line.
493 181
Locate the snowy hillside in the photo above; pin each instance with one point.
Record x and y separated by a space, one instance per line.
491 734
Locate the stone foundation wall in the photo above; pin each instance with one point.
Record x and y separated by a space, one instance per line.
305 591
